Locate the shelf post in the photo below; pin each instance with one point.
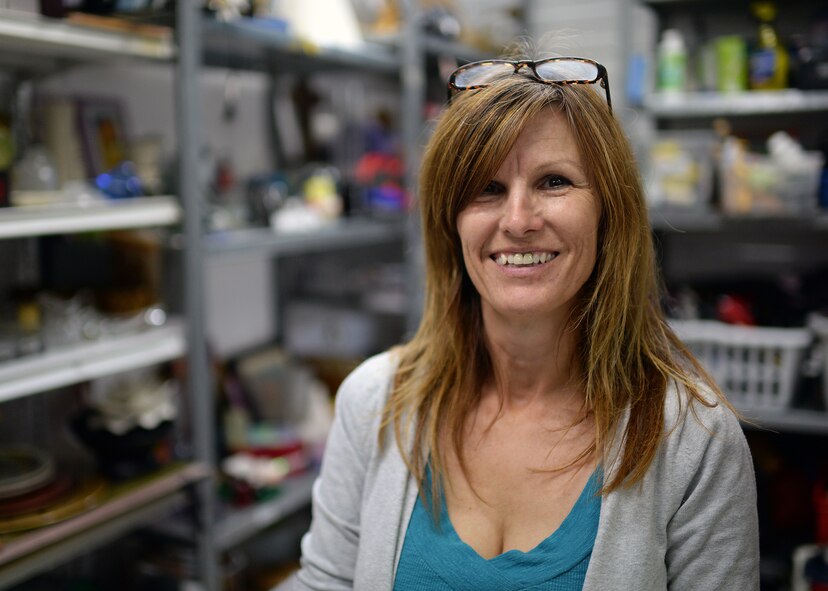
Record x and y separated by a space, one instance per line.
413 90
199 382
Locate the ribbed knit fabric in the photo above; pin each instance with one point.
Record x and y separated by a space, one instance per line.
436 558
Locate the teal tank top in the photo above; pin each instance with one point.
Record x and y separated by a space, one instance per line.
437 559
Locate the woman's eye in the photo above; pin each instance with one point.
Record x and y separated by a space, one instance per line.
491 189
555 181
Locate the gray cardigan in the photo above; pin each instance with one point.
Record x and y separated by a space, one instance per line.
691 524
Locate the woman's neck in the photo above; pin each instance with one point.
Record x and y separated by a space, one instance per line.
533 361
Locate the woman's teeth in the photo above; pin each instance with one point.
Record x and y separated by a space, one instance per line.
524 259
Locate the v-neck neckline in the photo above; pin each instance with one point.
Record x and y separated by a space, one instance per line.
568 545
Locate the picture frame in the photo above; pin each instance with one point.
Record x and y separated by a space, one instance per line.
102 132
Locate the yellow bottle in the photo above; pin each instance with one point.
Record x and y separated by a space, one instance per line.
769 61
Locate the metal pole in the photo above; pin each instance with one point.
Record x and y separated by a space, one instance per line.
199 382
413 100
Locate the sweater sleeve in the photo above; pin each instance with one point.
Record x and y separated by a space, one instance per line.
329 549
713 537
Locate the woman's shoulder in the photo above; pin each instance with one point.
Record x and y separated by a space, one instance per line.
366 388
702 420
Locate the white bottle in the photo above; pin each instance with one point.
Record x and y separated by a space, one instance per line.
672 63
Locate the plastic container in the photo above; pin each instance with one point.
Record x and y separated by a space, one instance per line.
755 184
818 323
679 171
672 63
757 367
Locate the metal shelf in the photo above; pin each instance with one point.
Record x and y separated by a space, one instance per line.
127 507
711 221
86 361
346 233
244 44
66 218
713 104
788 421
32 41
239 525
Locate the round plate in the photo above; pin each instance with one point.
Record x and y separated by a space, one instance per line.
38 499
85 497
24 469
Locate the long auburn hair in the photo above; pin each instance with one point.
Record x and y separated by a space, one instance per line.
625 349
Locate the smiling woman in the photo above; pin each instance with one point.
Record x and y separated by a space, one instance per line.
544 429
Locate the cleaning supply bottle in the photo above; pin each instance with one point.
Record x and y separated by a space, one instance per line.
672 63
769 61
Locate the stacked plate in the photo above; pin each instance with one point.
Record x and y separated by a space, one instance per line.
34 493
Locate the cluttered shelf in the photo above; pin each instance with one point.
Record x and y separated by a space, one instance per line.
716 104
102 513
254 43
69 365
29 38
343 233
104 214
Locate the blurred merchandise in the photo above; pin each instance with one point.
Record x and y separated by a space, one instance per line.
784 182
809 58
731 64
35 171
680 170
35 491
121 182
339 27
672 63
146 155
769 61
61 138
265 195
128 426
6 143
810 568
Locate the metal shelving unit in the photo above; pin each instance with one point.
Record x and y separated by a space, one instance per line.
33 46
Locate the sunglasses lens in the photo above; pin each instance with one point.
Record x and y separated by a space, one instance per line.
481 74
567 70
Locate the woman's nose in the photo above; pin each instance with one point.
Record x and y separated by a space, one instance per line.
521 214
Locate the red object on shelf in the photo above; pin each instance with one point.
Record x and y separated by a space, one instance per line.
821 510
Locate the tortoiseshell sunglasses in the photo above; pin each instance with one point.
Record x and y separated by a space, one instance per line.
554 70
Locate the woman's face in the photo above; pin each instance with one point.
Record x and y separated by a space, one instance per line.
529 240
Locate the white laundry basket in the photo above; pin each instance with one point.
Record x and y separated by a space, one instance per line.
756 367
818 323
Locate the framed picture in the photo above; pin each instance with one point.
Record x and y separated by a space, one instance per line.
102 132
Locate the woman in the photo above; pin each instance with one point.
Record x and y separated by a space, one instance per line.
544 428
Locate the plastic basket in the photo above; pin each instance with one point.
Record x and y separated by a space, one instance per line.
818 323
757 367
